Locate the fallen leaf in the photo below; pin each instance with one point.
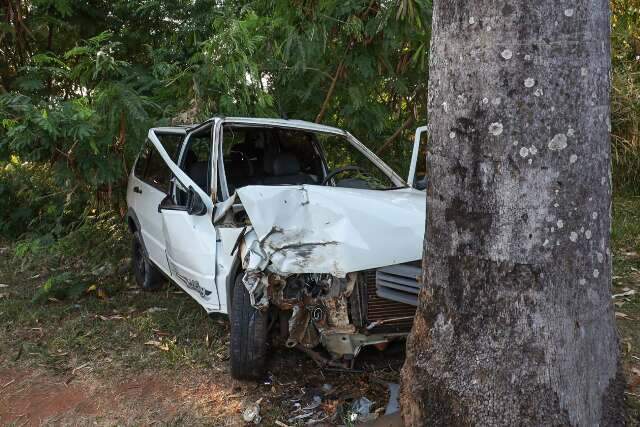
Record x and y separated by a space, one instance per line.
621 315
158 344
113 317
156 309
4 295
91 288
2 285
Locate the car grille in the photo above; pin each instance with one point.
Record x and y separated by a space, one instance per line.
383 305
399 283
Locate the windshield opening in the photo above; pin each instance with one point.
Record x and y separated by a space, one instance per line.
255 155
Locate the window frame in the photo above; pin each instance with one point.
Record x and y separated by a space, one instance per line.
266 123
211 184
153 152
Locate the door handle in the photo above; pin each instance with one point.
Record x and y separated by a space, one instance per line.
137 189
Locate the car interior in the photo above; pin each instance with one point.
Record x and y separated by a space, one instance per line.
260 155
196 162
270 156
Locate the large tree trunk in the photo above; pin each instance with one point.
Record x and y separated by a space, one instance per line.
515 324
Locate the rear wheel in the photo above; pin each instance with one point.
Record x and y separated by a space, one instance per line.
147 275
248 342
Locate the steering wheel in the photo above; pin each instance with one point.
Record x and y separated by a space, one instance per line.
338 171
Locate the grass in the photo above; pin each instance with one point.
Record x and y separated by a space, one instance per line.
626 277
74 302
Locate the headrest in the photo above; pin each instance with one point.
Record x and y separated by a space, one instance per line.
285 164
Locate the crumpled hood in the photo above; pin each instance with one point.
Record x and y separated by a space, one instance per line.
318 229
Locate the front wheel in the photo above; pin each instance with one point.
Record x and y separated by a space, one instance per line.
249 328
147 275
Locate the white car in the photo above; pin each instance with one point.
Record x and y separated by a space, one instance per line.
294 229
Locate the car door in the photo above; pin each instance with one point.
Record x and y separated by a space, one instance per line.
188 232
416 176
151 184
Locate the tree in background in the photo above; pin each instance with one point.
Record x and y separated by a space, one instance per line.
515 324
81 82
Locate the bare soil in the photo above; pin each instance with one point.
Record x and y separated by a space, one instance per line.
36 396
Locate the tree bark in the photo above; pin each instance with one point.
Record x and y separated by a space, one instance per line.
515 324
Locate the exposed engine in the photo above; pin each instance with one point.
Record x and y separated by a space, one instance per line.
342 314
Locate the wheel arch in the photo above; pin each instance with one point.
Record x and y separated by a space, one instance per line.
133 224
236 268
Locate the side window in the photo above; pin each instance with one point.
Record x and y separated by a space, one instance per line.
143 159
151 168
171 143
196 161
158 173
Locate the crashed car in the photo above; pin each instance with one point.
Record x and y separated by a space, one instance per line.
296 230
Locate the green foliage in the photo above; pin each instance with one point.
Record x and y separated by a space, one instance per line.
33 201
83 85
625 95
62 286
92 254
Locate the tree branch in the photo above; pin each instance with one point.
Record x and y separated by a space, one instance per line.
329 94
387 143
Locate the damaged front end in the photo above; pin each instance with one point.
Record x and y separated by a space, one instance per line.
334 312
324 292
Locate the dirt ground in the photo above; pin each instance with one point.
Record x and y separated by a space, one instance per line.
35 396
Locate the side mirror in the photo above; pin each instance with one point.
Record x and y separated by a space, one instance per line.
195 205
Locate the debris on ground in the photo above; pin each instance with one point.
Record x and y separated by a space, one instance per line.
361 410
158 344
626 293
394 392
251 413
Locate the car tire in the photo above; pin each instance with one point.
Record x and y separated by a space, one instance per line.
249 333
147 275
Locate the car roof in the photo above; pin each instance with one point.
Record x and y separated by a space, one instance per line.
254 121
286 123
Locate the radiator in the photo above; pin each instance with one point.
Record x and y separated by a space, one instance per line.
382 305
